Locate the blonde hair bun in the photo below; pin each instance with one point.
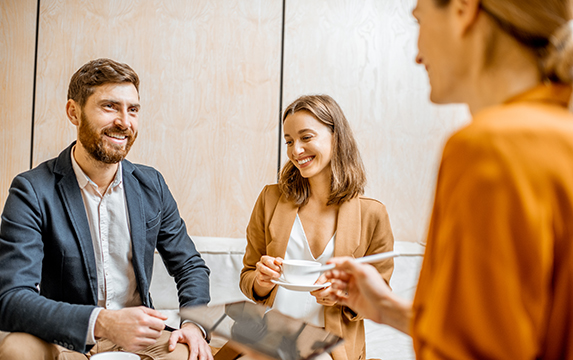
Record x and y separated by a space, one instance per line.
558 64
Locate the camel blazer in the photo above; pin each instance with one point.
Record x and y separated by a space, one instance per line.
363 228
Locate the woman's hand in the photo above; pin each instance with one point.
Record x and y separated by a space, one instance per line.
323 296
358 286
267 269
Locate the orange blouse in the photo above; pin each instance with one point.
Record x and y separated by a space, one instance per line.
497 277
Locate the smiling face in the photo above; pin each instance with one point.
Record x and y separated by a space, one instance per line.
438 51
309 144
107 125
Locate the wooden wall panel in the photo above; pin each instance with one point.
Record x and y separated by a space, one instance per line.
362 54
17 45
209 91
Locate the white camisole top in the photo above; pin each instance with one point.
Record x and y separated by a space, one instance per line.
300 304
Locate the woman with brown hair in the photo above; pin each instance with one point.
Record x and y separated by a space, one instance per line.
497 277
316 212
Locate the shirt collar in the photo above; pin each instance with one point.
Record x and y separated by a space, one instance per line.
84 180
547 92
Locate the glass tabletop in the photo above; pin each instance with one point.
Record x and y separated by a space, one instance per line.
256 328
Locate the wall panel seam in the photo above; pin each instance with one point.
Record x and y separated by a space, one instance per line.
281 90
34 86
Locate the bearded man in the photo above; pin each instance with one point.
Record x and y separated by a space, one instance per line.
78 235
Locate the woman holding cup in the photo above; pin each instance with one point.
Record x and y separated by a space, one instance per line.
315 212
497 277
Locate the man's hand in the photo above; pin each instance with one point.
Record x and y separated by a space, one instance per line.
191 335
132 328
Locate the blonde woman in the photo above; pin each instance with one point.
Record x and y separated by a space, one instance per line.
497 277
315 212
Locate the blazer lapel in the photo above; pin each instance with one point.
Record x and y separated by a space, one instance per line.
348 228
74 205
133 198
280 227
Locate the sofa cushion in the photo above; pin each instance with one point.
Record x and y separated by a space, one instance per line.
224 256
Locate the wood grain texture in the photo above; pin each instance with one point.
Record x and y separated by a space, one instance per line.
210 84
362 54
17 45
209 91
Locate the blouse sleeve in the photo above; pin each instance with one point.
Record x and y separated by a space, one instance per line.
482 282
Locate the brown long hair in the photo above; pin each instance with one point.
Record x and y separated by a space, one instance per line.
348 177
540 25
99 72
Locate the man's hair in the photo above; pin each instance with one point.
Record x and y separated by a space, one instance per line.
99 72
348 177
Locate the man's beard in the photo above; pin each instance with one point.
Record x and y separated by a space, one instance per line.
107 152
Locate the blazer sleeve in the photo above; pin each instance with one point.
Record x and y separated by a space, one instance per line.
382 240
22 308
181 258
256 247
377 233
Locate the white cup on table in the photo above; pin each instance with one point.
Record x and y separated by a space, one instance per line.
115 355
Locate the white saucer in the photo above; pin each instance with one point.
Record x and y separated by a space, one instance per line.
299 287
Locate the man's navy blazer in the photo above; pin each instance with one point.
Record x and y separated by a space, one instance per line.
48 277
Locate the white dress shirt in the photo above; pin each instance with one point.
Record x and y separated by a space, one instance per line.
300 304
109 228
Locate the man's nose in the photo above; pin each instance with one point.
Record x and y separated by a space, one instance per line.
122 119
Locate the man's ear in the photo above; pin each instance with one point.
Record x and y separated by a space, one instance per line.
73 111
465 14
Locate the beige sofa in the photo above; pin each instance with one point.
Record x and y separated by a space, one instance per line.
224 257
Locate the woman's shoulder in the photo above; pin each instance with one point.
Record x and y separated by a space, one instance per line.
270 194
271 190
500 127
371 205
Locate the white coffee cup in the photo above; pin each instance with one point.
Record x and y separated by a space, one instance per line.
115 355
299 271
